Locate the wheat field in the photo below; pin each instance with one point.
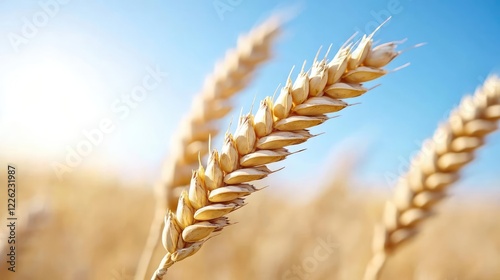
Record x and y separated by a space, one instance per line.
245 205
88 235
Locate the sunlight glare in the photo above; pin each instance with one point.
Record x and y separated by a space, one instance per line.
47 102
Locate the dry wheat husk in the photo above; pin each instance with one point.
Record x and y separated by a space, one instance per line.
230 76
434 170
259 140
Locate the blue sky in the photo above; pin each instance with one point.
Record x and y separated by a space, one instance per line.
88 55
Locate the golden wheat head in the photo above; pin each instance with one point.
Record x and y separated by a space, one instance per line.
434 170
230 76
220 187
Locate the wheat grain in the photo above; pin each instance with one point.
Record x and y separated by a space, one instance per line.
257 141
211 104
434 170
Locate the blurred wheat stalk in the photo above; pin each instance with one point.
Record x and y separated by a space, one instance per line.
434 170
230 76
219 187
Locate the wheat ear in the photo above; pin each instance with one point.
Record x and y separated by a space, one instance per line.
230 76
218 188
435 168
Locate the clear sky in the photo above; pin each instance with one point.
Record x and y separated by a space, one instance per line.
67 66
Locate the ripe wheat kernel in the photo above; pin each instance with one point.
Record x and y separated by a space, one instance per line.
211 104
258 141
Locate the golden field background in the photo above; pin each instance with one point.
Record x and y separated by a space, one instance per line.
94 223
94 227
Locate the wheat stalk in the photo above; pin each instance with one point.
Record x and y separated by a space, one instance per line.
434 170
218 188
230 76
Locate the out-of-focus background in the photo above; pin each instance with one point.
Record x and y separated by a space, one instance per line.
67 69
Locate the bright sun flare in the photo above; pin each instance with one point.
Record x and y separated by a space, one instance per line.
46 102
